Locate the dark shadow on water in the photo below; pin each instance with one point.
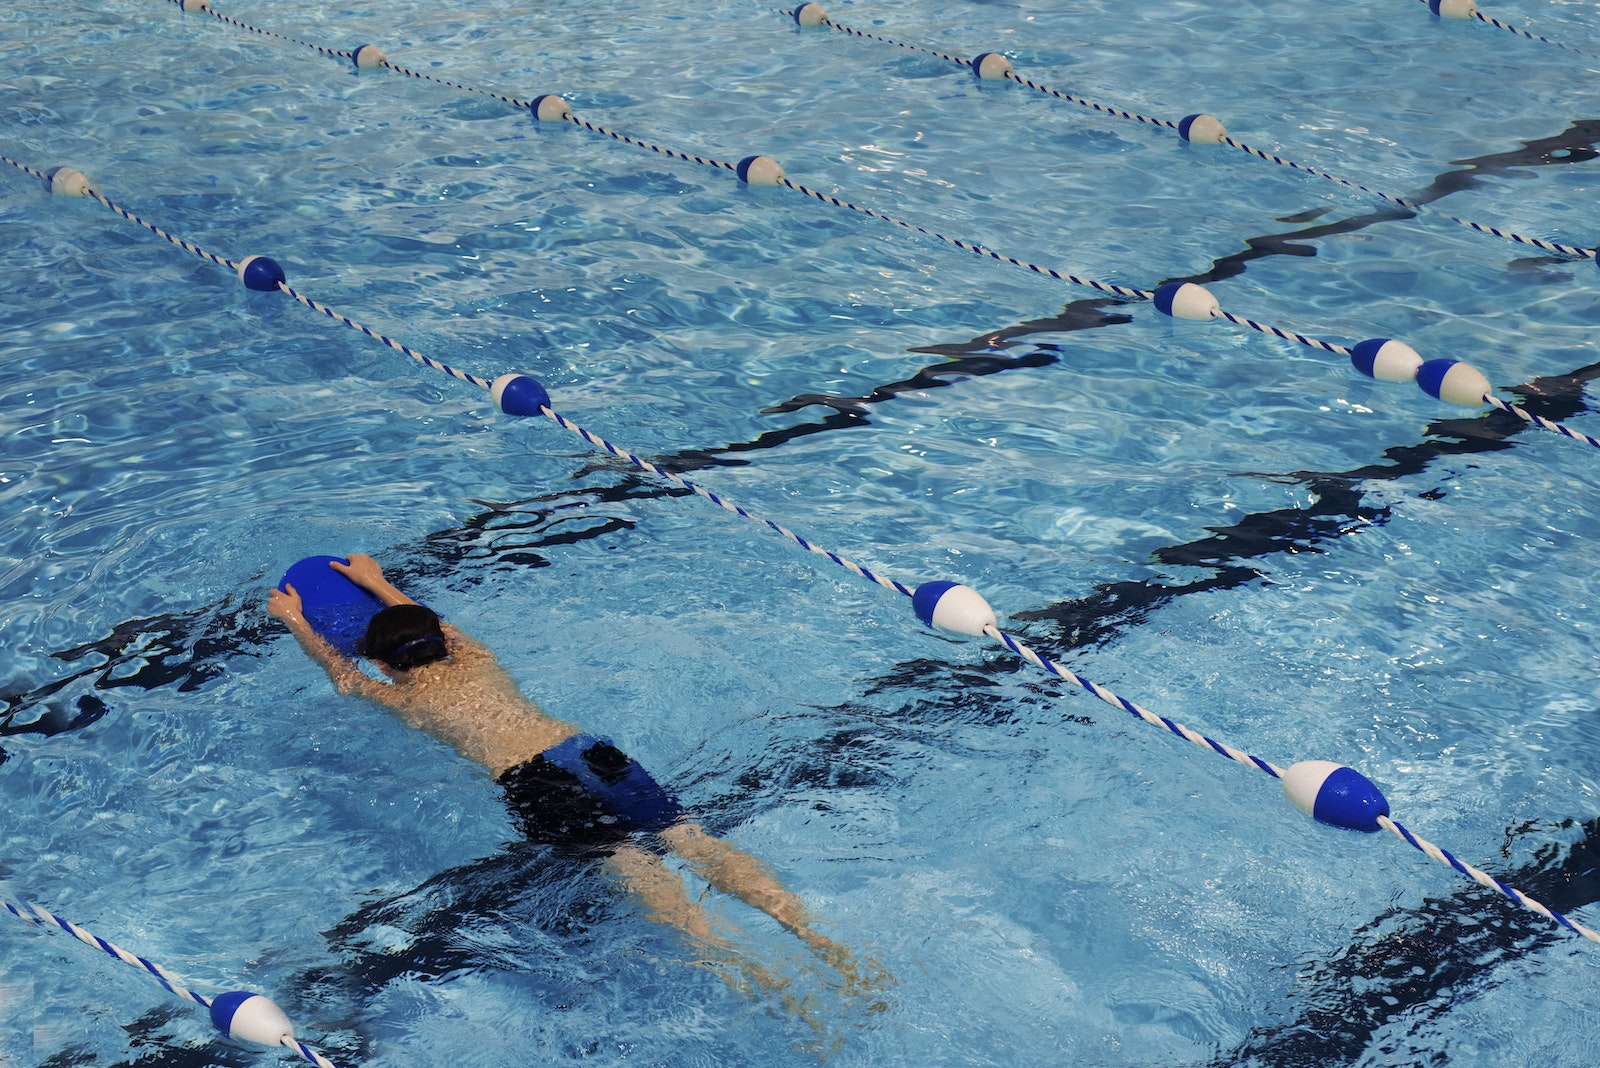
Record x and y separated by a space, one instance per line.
1405 969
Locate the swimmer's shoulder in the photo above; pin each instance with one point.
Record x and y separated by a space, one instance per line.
460 641
466 651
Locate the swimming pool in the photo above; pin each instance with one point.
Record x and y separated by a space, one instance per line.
1235 531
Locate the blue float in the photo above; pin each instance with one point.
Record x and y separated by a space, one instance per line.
1453 382
991 66
68 182
809 15
550 108
1386 360
261 273
1202 129
1336 795
251 1017
1185 300
759 170
518 394
952 606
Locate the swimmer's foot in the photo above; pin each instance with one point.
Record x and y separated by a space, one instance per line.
746 977
859 976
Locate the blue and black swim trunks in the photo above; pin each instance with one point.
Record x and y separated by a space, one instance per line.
585 794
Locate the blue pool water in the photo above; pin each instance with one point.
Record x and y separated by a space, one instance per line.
1235 531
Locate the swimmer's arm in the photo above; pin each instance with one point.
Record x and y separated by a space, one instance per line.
346 676
364 571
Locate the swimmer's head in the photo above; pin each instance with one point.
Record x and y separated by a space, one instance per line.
404 636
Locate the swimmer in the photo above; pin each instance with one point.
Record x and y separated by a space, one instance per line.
572 791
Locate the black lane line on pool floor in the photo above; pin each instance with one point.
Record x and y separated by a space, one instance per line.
526 887
1408 967
1574 145
1336 509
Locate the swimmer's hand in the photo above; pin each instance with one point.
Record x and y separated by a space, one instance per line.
347 678
285 606
364 571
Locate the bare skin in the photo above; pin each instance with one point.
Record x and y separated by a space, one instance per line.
472 703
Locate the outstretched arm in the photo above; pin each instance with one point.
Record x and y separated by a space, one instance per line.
347 677
364 571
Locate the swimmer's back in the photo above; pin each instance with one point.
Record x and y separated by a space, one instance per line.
472 703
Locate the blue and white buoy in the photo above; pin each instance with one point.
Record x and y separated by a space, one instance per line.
251 1017
759 170
1386 360
991 67
1453 9
68 182
1334 794
1185 300
517 394
550 108
810 15
952 606
260 273
368 56
1453 382
1202 129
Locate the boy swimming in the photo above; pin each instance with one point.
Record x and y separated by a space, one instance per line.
568 789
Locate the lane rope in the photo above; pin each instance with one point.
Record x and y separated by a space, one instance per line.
1199 128
237 1014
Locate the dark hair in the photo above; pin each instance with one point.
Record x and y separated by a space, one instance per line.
405 636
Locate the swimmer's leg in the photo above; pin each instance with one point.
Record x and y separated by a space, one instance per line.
733 871
662 893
